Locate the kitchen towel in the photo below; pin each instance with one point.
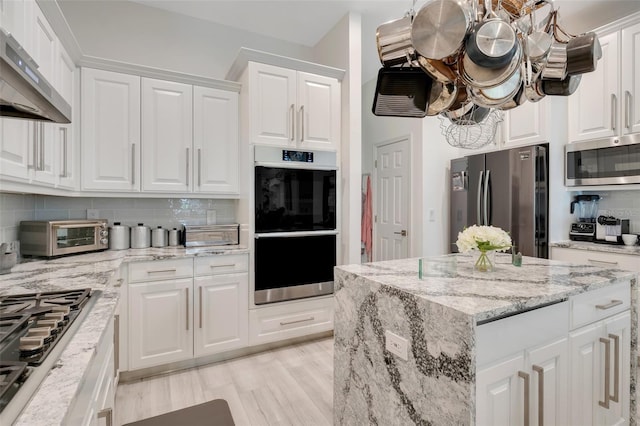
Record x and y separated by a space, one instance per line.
367 222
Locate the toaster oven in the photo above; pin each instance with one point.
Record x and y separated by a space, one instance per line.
51 238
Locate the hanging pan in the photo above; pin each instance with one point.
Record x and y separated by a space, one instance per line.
402 92
394 42
440 26
492 43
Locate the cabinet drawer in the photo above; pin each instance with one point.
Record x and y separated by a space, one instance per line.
222 264
294 319
595 258
599 304
160 270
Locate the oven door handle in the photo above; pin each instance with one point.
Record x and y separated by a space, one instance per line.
78 225
294 165
295 234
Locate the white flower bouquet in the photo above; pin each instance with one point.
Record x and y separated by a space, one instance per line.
484 239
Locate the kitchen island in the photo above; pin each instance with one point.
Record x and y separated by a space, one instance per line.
50 404
412 350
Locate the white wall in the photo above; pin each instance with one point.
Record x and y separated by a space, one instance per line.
142 35
340 48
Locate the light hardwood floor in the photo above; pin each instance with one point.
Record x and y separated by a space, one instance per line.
292 385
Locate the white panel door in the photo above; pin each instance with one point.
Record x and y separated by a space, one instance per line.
17 147
110 132
160 322
221 313
167 135
318 111
585 377
272 104
499 393
594 108
392 201
215 140
45 46
618 330
631 79
548 366
526 124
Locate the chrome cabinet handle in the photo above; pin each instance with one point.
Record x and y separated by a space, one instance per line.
228 265
525 376
478 210
607 374
616 367
297 321
614 111
627 112
293 121
609 305
41 147
63 133
108 413
200 303
486 198
302 123
602 261
116 345
187 168
187 310
199 167
133 164
540 371
162 271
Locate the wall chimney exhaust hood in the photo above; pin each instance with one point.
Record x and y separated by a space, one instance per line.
24 93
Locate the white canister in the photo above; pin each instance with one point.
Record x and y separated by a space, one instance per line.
118 237
174 237
159 237
140 236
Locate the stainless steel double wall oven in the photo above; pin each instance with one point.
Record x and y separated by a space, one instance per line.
295 223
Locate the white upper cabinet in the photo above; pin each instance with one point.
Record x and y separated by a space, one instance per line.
293 109
67 81
607 103
16 17
215 140
16 143
526 124
167 135
110 122
45 46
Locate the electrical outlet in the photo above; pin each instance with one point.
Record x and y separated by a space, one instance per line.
211 217
92 214
13 247
396 345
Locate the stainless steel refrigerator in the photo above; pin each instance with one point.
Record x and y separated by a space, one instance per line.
508 189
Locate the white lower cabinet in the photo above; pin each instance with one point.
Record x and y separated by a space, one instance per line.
174 317
596 258
293 319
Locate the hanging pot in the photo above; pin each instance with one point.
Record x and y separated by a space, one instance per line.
402 92
495 97
393 39
442 96
565 87
437 69
583 53
476 115
556 65
492 43
477 76
439 28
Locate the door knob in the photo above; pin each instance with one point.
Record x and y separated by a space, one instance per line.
403 233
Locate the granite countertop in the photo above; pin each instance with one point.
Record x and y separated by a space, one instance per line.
50 403
452 282
609 248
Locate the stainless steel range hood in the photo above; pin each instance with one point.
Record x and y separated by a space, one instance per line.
24 93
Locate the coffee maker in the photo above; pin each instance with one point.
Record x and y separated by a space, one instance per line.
609 229
585 209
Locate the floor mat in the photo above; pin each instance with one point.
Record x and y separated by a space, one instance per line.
212 413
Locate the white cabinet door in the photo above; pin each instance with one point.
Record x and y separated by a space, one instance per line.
272 104
110 131
221 313
160 322
46 153
16 18
45 46
215 140
65 75
548 366
631 79
64 135
584 386
500 393
594 109
319 111
526 124
618 331
16 148
167 135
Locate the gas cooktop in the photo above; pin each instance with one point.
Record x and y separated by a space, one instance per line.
31 327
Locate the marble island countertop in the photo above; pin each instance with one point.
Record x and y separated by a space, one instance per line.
451 282
50 403
608 248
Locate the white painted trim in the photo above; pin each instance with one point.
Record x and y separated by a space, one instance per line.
618 24
58 22
246 55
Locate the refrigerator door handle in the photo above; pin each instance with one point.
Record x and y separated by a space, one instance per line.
487 200
479 202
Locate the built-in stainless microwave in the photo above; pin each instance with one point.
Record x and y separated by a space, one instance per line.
611 161
52 238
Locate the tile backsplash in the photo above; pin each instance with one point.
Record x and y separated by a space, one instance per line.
167 212
623 205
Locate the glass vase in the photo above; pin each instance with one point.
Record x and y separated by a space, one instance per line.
485 262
